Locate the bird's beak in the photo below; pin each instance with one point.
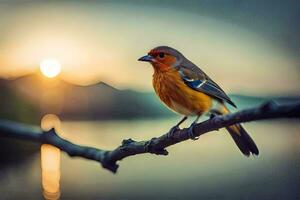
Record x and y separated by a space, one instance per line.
146 58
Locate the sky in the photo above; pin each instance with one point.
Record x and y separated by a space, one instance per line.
249 47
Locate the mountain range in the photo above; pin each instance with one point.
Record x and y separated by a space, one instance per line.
28 98
37 94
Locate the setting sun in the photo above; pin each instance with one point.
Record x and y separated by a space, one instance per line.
50 67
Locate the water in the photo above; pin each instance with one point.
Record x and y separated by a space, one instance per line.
209 168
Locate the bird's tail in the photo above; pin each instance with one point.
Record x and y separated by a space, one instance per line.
241 138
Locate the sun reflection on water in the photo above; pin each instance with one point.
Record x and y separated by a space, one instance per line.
50 161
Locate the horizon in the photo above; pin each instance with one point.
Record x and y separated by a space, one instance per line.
38 74
256 56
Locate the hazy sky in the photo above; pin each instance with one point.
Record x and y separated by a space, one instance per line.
245 46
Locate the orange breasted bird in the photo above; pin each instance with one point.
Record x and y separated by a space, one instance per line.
187 90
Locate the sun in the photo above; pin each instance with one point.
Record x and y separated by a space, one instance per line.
50 67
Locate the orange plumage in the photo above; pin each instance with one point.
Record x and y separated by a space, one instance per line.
176 95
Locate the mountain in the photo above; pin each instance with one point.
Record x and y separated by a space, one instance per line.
69 101
29 97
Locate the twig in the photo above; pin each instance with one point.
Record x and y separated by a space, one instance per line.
158 146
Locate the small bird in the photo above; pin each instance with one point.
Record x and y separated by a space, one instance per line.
187 90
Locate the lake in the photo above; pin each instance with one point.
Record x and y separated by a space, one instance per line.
209 168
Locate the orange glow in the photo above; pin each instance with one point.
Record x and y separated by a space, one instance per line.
50 161
50 164
50 156
50 121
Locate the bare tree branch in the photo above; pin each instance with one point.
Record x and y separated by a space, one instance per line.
158 146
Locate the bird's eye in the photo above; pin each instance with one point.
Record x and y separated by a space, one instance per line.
161 55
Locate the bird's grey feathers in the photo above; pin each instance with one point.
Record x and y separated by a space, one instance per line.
196 79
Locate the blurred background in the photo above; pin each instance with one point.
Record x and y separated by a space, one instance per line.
73 65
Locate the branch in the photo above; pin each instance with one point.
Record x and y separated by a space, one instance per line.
158 146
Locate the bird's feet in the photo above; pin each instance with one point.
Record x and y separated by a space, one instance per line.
191 132
175 128
171 132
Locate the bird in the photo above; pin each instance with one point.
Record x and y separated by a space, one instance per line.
187 90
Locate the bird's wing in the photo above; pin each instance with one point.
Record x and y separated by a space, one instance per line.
196 79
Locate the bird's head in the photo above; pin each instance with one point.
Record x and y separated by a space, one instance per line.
163 58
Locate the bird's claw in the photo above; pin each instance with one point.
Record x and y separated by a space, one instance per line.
191 132
172 131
